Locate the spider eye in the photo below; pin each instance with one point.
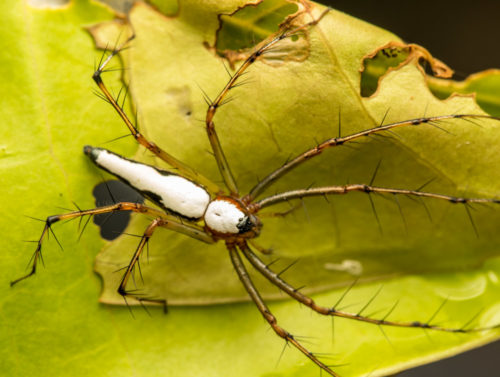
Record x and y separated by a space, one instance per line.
244 224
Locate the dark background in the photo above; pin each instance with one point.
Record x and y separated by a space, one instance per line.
466 36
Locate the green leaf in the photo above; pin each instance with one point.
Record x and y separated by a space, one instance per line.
52 323
274 136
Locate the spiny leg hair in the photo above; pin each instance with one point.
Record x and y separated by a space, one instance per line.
259 51
345 189
275 279
338 141
266 313
167 221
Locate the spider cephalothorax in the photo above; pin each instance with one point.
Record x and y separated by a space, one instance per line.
227 218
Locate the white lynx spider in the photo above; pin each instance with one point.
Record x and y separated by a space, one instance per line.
193 205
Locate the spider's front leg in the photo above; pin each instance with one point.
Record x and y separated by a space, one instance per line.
307 155
167 221
259 51
182 168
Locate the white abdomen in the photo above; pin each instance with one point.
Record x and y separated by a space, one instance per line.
172 191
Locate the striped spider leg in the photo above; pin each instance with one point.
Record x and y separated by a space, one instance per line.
162 219
193 205
184 169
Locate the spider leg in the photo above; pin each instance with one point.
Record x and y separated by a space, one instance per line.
338 141
275 279
167 221
266 313
345 189
135 260
259 51
183 169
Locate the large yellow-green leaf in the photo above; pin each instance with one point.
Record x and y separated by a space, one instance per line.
262 127
52 324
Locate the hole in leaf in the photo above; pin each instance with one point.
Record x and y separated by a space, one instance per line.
393 56
484 85
377 66
251 24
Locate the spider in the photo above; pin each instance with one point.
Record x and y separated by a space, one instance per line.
193 205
